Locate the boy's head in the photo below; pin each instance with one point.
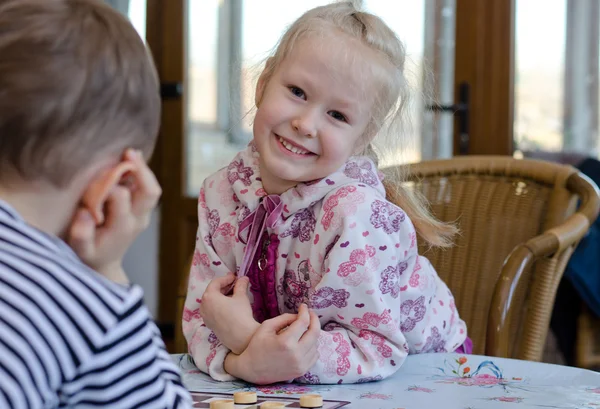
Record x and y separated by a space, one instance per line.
77 85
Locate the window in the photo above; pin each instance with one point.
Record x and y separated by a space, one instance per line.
556 75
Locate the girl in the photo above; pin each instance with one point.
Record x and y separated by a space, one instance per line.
301 218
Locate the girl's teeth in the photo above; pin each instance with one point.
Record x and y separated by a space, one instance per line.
292 148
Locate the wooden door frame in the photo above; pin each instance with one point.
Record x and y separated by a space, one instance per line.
165 36
484 59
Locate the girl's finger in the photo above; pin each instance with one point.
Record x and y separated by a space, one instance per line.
275 325
241 287
297 329
217 283
311 336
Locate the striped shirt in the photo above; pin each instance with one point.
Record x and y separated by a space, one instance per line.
71 338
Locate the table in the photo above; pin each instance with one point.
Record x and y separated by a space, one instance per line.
441 381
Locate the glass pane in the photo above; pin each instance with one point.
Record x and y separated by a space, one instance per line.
427 29
556 78
202 64
539 74
239 36
206 142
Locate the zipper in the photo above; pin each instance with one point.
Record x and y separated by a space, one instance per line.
262 261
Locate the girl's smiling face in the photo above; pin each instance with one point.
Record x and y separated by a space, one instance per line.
313 112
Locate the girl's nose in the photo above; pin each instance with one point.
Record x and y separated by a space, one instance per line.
305 125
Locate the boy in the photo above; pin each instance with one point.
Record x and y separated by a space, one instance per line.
79 112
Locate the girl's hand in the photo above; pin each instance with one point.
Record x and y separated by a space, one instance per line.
229 317
283 348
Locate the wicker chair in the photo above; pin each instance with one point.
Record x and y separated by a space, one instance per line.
519 226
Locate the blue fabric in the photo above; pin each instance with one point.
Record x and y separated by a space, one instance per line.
583 270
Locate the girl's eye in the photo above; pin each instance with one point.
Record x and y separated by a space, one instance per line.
336 115
297 92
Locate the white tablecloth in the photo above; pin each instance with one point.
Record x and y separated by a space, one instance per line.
441 381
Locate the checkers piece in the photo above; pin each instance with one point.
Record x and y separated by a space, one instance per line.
272 405
311 401
222 404
244 398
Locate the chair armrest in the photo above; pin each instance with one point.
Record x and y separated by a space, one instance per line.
518 261
497 336
555 240
589 194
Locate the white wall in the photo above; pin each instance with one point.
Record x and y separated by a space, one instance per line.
141 262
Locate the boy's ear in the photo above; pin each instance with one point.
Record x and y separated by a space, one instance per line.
95 196
262 82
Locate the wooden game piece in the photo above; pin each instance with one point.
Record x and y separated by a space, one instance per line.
311 401
222 404
272 405
244 397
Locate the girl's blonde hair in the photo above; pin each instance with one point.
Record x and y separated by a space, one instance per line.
391 100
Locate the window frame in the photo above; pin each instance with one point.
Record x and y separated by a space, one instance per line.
581 78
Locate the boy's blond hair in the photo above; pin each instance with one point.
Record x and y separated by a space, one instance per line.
77 83
345 19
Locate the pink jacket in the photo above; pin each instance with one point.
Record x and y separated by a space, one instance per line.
335 244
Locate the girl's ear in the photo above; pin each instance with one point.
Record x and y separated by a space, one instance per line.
262 81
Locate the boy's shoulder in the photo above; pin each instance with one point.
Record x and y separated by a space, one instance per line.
46 274
77 327
54 304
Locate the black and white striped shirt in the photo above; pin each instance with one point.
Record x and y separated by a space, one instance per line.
71 338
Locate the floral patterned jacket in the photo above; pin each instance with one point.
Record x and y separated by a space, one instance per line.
336 245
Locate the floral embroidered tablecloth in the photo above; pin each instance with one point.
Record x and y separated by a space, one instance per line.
441 381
